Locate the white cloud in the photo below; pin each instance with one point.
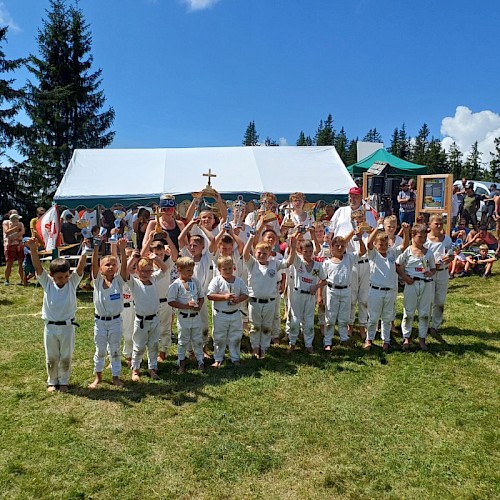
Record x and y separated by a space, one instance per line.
199 4
467 127
6 19
282 141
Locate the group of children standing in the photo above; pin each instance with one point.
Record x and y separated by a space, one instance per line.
241 272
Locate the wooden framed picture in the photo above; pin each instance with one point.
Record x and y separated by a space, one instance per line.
434 197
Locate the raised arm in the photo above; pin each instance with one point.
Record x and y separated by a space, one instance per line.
120 247
82 262
32 244
95 262
293 250
248 248
174 253
183 236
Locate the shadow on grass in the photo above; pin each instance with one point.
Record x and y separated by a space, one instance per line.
189 387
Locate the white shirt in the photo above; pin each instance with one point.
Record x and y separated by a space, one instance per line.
340 273
274 224
108 301
59 304
203 269
177 291
239 268
262 279
440 248
383 269
414 266
91 217
219 285
341 223
302 278
146 297
164 278
74 216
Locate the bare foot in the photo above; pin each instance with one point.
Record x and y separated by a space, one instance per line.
63 388
362 332
290 349
116 381
350 330
136 377
367 345
129 362
51 388
406 344
256 353
386 346
216 364
153 374
95 383
327 348
161 356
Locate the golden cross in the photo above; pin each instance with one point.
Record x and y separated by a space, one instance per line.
209 175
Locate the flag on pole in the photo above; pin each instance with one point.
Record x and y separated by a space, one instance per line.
48 228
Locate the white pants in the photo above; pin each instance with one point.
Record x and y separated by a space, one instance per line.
301 312
204 321
128 318
108 337
321 310
380 305
147 336
338 309
261 316
228 330
165 326
59 342
276 330
417 297
190 335
441 281
360 287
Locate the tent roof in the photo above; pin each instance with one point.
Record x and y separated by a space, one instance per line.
401 167
105 176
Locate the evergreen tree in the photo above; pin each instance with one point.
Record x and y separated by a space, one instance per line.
270 142
435 158
352 152
341 143
11 192
303 140
400 143
251 137
454 161
373 135
472 165
419 150
65 103
325 134
493 174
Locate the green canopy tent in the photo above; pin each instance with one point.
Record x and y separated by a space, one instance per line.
397 166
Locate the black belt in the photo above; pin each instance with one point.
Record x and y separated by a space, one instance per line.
261 301
364 261
337 287
443 269
126 304
63 323
227 312
145 318
106 318
163 300
188 315
382 288
421 279
302 291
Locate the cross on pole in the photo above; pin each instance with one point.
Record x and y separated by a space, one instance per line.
209 175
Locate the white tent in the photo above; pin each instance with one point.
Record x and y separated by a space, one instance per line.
105 176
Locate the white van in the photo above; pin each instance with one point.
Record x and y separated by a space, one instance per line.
482 188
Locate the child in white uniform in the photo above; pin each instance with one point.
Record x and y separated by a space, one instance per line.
144 288
442 248
187 295
416 266
228 292
262 275
128 316
338 270
58 314
108 304
308 277
383 280
163 283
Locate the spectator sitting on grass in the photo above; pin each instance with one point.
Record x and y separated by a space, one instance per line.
461 231
479 264
482 237
458 262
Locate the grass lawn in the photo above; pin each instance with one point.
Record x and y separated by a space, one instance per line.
346 425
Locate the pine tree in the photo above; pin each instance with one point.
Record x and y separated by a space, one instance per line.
270 142
352 152
472 165
325 134
12 194
419 150
251 137
493 173
65 103
435 158
303 140
341 143
373 135
400 143
454 161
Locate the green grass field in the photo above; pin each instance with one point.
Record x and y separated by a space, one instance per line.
346 425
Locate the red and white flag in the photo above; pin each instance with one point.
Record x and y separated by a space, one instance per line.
48 228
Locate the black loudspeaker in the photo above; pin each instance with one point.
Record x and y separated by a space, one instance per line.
392 187
378 185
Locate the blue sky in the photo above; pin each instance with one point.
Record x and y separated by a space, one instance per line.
186 73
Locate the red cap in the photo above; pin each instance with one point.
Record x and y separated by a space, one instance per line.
356 190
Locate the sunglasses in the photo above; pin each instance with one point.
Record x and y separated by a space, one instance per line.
167 203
